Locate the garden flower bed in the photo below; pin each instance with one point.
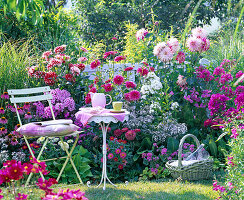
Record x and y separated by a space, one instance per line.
171 86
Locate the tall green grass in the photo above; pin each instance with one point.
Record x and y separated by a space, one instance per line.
14 59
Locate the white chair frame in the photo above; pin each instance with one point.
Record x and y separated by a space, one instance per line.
45 96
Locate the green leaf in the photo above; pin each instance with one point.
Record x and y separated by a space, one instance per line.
172 144
213 148
135 157
222 135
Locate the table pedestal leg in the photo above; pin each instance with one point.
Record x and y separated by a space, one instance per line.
104 170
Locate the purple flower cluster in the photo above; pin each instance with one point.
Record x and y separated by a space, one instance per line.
62 103
204 73
217 103
194 97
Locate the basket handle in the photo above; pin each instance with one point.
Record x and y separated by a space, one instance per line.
181 145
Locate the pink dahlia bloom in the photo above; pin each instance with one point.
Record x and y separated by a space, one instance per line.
130 84
194 43
106 54
122 155
110 156
95 64
158 48
180 57
128 69
60 49
166 55
199 32
118 80
182 82
108 87
82 59
134 95
119 58
140 35
173 44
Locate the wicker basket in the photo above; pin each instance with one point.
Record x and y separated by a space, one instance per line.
196 171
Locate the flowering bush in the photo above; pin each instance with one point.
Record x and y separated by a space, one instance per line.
233 188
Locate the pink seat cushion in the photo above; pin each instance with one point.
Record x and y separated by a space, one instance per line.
33 129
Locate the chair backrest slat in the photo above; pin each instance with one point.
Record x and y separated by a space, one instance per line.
31 98
29 91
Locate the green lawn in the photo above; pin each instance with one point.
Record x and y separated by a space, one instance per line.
140 190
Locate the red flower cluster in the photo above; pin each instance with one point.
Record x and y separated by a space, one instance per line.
13 170
143 71
50 78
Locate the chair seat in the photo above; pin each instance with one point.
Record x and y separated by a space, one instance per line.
37 130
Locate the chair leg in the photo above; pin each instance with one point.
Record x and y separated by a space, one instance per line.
38 157
69 157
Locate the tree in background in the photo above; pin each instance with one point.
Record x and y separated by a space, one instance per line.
105 18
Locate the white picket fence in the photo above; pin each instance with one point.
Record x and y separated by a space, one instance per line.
118 68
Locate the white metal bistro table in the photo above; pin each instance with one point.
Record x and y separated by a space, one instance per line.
104 120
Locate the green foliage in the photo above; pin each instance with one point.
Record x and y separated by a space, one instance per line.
148 175
14 59
81 158
104 19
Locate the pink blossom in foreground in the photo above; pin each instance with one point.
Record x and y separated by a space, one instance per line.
5 95
108 87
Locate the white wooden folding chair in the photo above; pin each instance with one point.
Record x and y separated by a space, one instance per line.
34 98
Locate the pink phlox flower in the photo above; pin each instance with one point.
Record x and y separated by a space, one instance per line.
46 55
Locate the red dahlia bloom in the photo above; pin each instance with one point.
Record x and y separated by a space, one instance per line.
118 79
130 135
142 71
120 166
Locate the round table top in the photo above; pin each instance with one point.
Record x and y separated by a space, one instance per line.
108 117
